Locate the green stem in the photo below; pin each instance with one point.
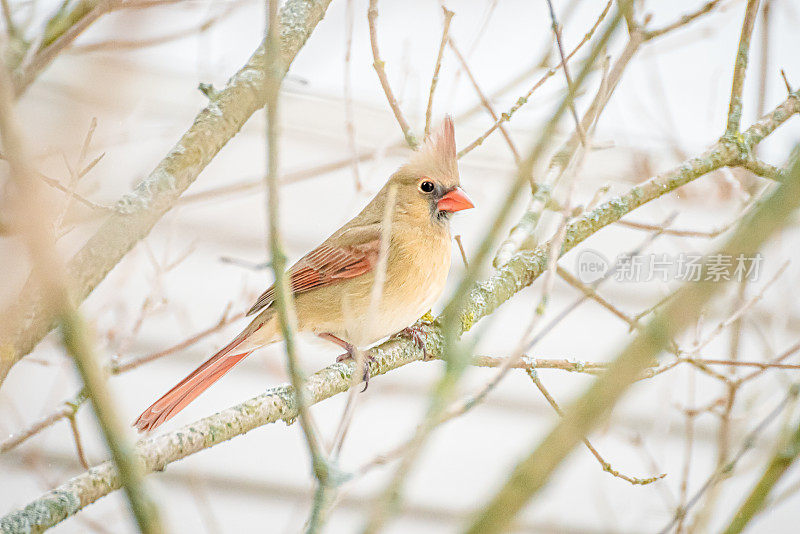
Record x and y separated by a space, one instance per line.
776 468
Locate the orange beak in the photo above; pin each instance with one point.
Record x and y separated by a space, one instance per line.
455 200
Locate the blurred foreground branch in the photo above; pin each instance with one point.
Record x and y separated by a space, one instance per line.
589 410
784 457
28 320
35 225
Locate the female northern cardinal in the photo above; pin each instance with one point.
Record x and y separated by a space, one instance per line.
332 284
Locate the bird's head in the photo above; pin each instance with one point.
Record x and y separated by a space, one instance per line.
429 182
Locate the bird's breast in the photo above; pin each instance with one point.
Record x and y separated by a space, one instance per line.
416 275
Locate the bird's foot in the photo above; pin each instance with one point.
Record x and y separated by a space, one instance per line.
419 336
351 355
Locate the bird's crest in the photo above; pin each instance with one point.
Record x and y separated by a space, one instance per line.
437 155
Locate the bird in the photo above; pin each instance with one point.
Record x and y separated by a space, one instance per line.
332 285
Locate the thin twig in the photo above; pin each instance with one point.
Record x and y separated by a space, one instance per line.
136 44
588 410
738 313
774 362
284 303
66 410
484 101
526 362
748 443
592 294
461 250
76 436
710 234
603 463
505 117
380 69
740 69
786 82
761 98
557 32
448 16
225 320
683 20
376 295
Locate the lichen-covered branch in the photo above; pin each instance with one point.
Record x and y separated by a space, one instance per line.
28 321
590 409
740 68
452 318
277 403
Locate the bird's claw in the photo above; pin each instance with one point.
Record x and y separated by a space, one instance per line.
350 355
416 334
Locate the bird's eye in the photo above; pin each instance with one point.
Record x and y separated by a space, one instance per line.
426 186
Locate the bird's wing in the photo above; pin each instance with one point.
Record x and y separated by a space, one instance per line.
346 254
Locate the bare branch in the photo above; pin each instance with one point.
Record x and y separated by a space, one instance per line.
484 101
740 69
557 32
603 463
684 20
448 16
278 403
48 270
380 70
28 321
593 406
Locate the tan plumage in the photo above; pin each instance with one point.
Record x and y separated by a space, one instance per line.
332 284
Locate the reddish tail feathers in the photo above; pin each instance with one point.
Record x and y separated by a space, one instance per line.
190 387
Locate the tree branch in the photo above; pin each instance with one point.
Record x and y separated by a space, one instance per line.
533 472
783 459
448 16
740 68
35 225
380 70
28 321
278 403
